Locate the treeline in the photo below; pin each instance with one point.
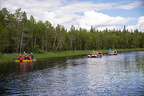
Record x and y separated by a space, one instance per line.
18 34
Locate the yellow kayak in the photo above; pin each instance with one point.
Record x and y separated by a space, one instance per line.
24 60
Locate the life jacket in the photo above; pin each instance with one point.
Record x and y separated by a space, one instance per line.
21 58
30 57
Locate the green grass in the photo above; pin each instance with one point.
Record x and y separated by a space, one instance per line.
9 57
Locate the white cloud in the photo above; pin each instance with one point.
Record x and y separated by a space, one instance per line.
99 20
132 5
64 12
139 25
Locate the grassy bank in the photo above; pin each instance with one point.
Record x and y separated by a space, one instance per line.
9 57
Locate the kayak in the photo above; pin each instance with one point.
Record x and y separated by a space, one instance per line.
94 56
113 53
25 60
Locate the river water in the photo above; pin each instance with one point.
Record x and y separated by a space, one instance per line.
120 75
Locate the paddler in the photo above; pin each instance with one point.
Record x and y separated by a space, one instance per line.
24 53
32 55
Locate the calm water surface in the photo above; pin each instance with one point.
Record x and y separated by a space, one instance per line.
121 75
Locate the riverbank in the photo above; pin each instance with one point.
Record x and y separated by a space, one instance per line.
9 57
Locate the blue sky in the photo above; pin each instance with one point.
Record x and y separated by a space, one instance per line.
101 14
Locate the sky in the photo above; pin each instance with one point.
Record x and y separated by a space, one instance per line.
100 14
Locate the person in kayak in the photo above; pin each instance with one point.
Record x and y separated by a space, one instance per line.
100 53
32 55
21 57
25 54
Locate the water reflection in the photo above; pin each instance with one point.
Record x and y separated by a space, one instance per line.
121 75
50 63
25 66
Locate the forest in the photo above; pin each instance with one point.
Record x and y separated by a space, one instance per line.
19 34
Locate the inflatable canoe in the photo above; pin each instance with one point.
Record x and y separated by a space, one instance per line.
24 60
94 56
112 53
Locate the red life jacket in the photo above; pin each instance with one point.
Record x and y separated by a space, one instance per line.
20 58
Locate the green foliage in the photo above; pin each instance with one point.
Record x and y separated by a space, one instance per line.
18 34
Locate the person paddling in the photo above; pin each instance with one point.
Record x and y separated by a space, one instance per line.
20 57
24 54
32 55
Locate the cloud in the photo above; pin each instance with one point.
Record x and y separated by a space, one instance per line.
139 25
132 5
99 20
80 14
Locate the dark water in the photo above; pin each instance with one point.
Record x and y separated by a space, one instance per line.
121 75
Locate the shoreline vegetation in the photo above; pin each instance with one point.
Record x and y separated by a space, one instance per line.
9 57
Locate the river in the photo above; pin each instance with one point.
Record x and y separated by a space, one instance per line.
119 75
